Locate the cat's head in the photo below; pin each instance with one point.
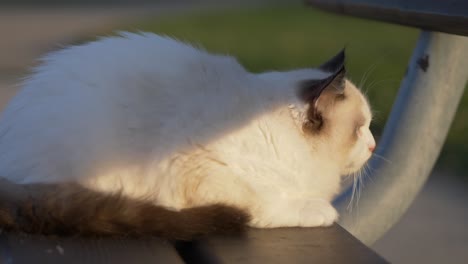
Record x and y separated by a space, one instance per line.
335 116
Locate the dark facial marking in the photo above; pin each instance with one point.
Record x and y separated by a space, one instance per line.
358 123
314 122
340 97
311 90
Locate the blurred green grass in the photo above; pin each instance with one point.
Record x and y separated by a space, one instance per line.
286 37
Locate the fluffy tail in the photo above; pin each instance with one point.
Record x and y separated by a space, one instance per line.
70 209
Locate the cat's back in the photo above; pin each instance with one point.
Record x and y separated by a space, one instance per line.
110 101
127 57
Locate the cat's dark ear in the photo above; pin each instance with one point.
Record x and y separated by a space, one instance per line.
319 94
335 63
311 90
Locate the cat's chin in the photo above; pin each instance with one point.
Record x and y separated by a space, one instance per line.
356 166
349 171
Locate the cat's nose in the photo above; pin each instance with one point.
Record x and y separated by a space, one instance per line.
371 144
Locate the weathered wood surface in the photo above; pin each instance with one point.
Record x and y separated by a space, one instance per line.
450 16
26 249
284 245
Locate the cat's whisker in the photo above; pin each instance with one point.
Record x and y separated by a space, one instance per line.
357 195
353 193
359 190
361 183
382 158
374 83
361 177
356 191
358 185
376 116
366 75
368 72
368 171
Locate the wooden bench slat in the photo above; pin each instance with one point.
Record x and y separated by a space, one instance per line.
282 245
26 249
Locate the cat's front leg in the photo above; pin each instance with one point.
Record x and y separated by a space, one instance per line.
310 212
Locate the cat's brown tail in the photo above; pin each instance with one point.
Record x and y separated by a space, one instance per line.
70 209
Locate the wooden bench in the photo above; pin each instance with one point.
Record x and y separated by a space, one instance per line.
284 245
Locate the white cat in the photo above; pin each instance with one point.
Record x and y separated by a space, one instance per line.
104 129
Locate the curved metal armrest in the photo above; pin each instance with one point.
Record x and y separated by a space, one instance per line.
450 16
413 136
421 115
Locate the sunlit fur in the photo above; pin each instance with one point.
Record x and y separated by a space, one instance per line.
162 121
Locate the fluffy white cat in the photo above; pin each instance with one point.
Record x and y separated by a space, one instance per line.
101 130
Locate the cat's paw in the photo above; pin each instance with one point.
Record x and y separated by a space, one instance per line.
317 212
303 212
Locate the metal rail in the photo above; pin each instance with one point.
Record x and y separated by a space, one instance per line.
450 16
413 137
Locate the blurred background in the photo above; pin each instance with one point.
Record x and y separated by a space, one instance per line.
266 35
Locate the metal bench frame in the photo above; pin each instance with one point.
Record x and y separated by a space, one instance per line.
421 115
413 137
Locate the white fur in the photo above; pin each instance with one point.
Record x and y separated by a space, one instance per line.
161 120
